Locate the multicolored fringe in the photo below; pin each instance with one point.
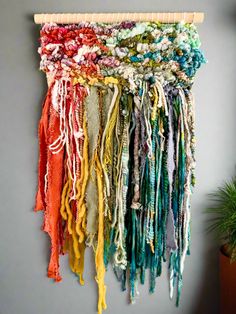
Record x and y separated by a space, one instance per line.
116 140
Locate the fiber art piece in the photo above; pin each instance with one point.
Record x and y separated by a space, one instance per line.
116 141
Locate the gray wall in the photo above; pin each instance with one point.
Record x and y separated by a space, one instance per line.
24 288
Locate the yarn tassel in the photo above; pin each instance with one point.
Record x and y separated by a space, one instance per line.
53 196
42 164
99 260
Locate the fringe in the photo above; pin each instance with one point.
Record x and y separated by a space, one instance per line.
142 161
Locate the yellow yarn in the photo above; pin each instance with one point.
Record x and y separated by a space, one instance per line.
92 80
65 205
155 104
151 242
76 259
75 249
78 250
99 252
68 209
110 80
75 243
109 135
63 197
78 79
99 262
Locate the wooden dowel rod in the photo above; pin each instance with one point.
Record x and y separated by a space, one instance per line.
70 18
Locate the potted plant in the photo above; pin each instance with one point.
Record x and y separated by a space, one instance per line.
223 206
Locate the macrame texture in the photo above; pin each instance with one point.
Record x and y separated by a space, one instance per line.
116 141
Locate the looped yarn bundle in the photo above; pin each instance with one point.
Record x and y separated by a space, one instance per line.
116 139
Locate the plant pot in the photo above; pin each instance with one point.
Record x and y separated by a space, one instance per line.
227 283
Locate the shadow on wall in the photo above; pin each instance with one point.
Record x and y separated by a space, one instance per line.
230 14
34 34
226 19
205 302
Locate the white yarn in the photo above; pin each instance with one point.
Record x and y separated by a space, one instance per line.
185 208
162 99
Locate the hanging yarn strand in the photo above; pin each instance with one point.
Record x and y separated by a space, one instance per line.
116 149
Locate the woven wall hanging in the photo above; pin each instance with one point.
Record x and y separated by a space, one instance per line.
116 141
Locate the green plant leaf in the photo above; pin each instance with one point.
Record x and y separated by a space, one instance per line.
223 207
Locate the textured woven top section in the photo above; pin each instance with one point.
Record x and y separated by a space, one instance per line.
129 51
